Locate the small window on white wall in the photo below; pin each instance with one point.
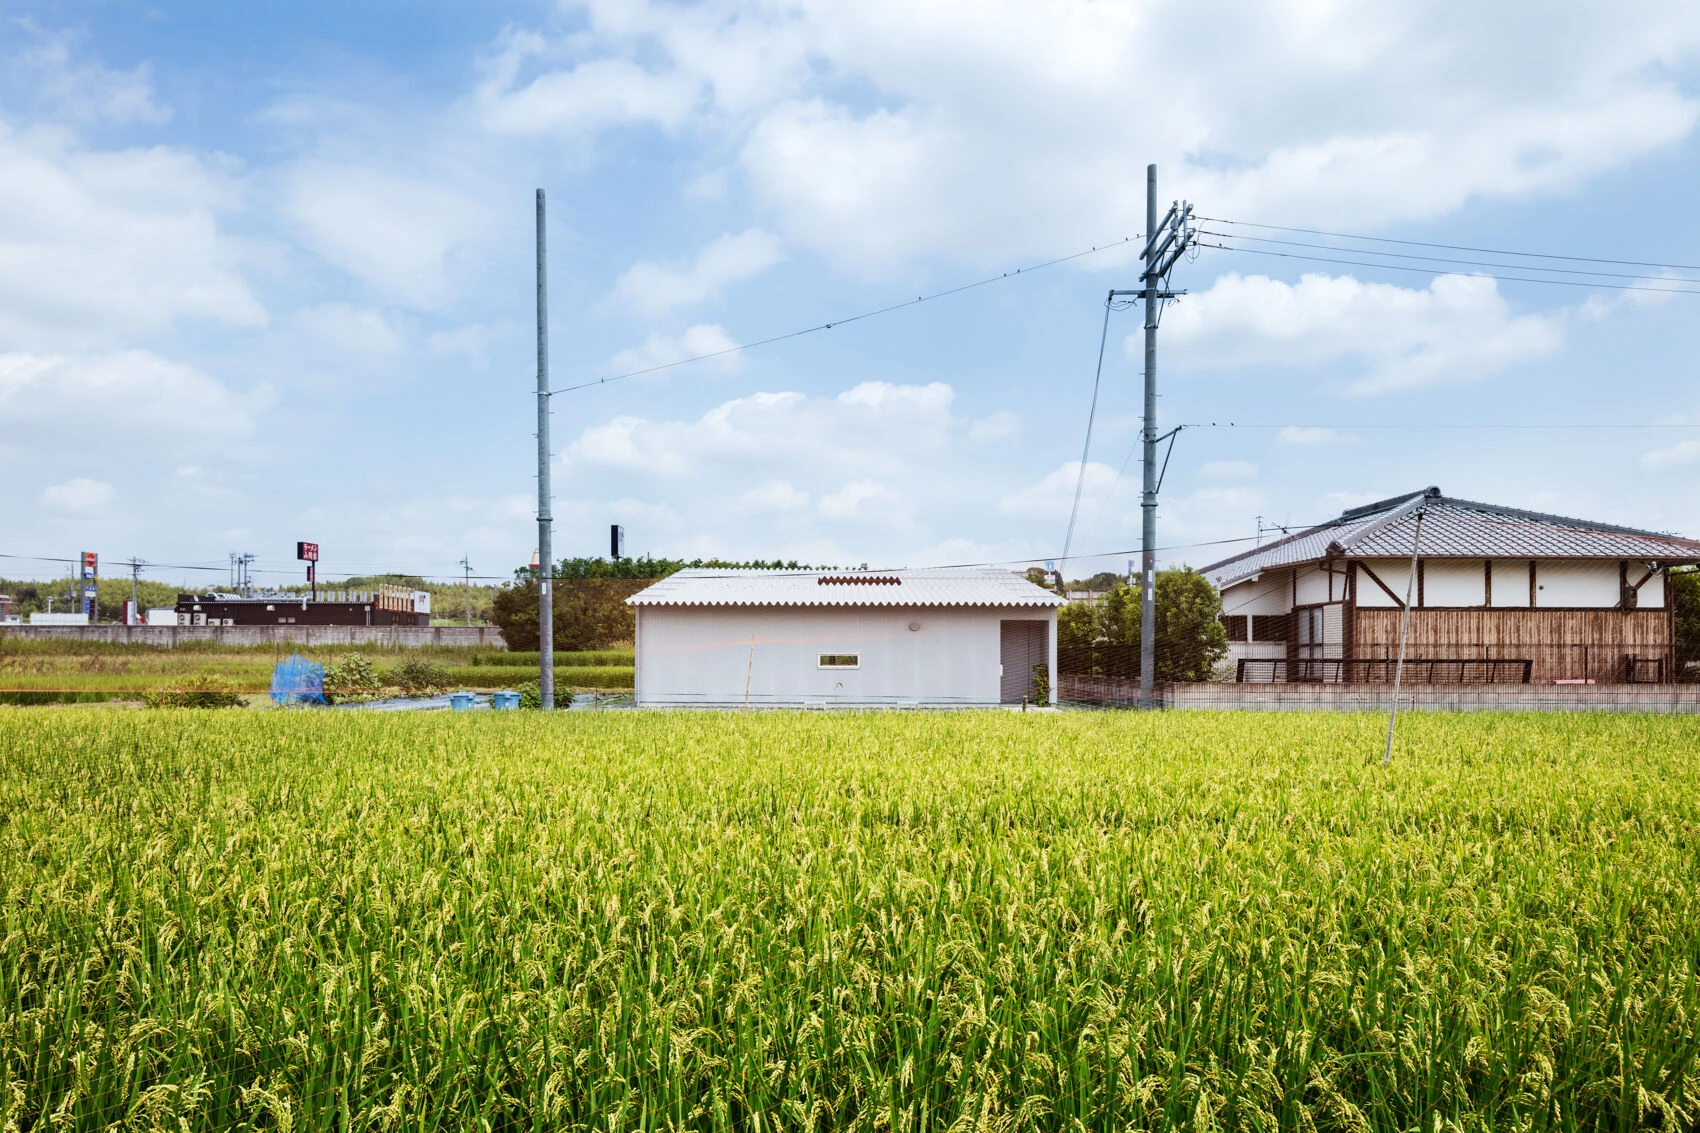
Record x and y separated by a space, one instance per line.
840 661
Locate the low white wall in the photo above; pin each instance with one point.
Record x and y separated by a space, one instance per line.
707 655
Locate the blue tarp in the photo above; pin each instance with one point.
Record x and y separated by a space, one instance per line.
297 680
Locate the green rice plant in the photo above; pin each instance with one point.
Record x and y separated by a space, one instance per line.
875 921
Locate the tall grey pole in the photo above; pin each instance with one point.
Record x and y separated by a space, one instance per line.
545 521
1148 501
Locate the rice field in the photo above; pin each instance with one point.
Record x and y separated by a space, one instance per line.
294 920
40 672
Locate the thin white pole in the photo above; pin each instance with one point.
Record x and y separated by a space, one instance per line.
1404 633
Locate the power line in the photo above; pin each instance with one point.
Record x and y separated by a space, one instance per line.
1451 247
1028 270
1091 416
1450 259
1466 274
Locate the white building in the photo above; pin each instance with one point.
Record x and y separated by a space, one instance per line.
946 637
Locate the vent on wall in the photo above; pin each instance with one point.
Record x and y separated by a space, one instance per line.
859 580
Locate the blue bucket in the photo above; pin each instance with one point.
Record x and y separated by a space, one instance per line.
460 701
504 701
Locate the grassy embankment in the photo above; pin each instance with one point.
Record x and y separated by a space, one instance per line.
47 671
227 920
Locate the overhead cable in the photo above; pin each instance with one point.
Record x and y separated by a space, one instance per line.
1028 270
1451 247
1466 274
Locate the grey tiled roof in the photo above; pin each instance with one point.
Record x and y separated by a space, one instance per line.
1455 529
941 586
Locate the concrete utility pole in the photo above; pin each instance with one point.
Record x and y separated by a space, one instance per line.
135 566
466 563
545 521
1165 243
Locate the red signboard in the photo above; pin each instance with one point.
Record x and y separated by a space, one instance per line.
307 552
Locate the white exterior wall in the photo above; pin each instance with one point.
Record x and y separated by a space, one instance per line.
703 654
1270 593
1395 573
1455 582
1316 585
1588 584
1592 585
1510 584
1652 591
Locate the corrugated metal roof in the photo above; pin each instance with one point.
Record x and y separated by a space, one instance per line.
1455 528
943 586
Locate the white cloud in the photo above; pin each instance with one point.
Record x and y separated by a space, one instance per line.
584 97
395 230
1052 497
350 329
1344 501
774 496
655 289
995 427
84 90
1458 329
99 245
868 501
80 495
1313 435
865 431
1227 470
473 341
127 392
1683 452
982 129
659 350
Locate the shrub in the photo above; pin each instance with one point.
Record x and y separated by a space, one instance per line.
415 677
199 690
351 675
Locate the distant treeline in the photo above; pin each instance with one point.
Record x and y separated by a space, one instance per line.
589 605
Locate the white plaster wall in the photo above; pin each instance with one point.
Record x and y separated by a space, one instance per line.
1510 584
1455 582
701 655
1652 591
1394 572
1313 584
1576 583
1270 593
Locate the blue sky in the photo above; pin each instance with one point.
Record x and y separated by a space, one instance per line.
265 273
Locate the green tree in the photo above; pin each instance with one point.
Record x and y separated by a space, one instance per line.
589 605
1190 635
1685 603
